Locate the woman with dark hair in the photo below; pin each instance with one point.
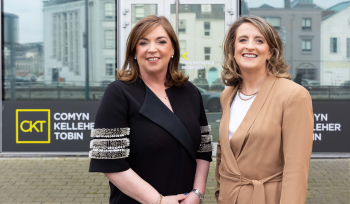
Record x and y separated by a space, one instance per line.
151 136
266 130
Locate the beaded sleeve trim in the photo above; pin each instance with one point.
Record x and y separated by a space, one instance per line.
205 129
110 133
109 154
205 147
206 139
109 143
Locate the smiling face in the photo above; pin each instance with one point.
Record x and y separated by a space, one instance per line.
154 51
251 48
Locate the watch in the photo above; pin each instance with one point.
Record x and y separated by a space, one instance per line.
200 196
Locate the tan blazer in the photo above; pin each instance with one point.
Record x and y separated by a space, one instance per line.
267 159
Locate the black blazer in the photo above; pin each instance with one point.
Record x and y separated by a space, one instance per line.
134 129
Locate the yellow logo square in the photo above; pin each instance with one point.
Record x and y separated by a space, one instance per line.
29 127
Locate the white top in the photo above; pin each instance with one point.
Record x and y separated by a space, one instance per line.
239 109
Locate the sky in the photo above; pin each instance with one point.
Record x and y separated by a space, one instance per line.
30 14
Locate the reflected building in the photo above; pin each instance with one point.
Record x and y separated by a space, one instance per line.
11 35
65 41
335 46
201 35
298 25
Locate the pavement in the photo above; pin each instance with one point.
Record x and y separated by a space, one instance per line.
66 180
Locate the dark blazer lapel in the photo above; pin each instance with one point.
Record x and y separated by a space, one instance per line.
243 129
153 109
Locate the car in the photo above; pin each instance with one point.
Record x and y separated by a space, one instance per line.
211 100
310 84
345 84
218 85
201 82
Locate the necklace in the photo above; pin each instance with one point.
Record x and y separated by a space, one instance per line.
245 99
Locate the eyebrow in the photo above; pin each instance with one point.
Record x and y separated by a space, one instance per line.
156 39
245 36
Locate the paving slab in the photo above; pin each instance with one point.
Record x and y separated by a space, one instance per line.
66 180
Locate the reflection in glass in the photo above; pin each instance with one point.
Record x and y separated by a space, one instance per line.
45 49
139 11
314 35
201 33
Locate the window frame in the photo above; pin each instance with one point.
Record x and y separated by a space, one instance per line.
334 45
302 45
306 27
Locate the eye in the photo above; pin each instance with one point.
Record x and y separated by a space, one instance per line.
162 42
143 43
242 40
259 41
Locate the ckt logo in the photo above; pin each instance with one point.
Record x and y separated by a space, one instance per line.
33 126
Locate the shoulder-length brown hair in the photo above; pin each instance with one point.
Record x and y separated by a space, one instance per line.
231 74
130 74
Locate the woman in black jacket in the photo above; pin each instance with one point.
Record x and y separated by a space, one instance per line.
151 136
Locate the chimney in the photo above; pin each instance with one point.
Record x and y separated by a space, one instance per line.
287 4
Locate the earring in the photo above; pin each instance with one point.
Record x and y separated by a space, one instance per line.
135 57
172 56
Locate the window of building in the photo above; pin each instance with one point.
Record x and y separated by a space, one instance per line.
207 53
274 21
348 47
109 11
306 45
109 67
308 73
306 24
206 8
334 47
206 28
182 26
183 46
109 39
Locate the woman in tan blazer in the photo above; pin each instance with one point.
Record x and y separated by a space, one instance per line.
264 147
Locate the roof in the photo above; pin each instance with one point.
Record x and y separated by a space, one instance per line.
339 7
266 6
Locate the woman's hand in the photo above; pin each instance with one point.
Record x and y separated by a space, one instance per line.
174 199
192 198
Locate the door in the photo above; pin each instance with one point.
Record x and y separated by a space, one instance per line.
201 30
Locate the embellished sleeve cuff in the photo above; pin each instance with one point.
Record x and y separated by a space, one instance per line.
109 143
206 140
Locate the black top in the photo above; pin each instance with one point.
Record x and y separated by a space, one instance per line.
163 146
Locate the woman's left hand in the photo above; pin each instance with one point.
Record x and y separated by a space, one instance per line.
192 198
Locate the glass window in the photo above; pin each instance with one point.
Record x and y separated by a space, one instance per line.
110 11
206 28
139 11
306 24
306 45
109 39
109 67
46 55
274 21
207 53
182 26
203 67
334 45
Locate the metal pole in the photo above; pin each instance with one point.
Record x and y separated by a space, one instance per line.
3 84
177 17
87 95
12 57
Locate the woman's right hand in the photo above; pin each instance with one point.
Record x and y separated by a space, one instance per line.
174 199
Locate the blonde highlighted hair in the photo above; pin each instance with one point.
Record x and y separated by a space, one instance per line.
131 70
276 66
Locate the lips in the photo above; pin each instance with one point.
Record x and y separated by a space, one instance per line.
250 55
152 59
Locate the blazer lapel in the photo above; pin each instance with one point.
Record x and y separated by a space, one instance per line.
155 110
242 132
227 154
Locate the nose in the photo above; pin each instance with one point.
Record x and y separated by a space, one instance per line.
152 48
250 45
